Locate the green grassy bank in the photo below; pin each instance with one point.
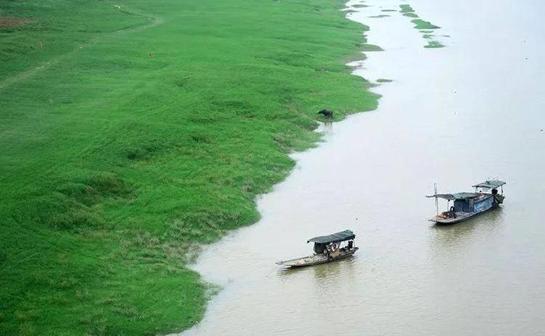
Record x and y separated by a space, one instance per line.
132 130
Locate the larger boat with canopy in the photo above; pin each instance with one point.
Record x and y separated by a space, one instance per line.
326 248
488 195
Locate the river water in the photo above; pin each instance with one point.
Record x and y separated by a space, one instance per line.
455 116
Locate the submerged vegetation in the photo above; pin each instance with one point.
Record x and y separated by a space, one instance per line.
425 27
130 131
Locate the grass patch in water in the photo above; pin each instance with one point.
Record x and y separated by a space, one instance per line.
423 24
434 44
408 11
425 27
371 47
378 16
406 8
131 131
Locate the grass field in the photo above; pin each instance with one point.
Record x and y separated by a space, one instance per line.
133 130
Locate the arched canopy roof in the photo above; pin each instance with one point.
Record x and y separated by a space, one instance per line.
333 238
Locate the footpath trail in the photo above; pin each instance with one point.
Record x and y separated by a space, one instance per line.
154 21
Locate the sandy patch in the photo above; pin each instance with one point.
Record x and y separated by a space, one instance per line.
10 22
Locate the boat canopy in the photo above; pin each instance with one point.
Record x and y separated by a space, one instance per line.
456 196
333 238
489 184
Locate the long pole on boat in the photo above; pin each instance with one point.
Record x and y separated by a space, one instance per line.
436 200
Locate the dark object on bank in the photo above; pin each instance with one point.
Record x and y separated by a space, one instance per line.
468 204
326 248
326 113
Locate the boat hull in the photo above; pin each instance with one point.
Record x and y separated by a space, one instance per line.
317 259
460 217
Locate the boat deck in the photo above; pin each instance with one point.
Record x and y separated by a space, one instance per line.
460 216
317 259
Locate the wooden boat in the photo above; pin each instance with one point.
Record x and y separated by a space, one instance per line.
469 204
326 249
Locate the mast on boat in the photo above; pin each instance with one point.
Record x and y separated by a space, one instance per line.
436 199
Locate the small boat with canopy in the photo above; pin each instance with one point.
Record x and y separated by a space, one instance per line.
326 248
488 195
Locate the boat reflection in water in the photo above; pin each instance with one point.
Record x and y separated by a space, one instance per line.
326 248
469 204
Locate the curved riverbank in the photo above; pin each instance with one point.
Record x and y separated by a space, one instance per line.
124 155
444 117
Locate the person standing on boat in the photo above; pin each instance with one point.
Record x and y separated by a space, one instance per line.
327 252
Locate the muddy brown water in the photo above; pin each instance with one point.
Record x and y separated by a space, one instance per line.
455 115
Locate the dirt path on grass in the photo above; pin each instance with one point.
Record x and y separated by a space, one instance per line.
11 22
154 21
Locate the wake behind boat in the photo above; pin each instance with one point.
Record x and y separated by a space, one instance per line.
469 204
326 248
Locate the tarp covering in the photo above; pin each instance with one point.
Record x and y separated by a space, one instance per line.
489 184
456 196
333 238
